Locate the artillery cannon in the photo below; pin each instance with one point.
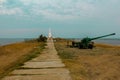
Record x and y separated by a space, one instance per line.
87 43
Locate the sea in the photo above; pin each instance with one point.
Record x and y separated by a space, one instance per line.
6 41
109 41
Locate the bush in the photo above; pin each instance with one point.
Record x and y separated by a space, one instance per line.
42 38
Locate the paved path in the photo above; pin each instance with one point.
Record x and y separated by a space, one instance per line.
47 66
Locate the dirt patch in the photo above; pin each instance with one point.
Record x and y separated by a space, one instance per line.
101 63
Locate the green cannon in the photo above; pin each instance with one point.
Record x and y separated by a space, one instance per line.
87 43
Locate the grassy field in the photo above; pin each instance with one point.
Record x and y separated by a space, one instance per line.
100 63
14 55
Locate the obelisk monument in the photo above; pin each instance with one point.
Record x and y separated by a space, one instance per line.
49 34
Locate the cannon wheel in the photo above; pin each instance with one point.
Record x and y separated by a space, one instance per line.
91 45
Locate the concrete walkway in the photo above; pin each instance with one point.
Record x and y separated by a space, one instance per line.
47 66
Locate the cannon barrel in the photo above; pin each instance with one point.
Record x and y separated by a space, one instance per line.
102 36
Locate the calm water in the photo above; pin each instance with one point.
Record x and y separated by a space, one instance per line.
109 41
5 41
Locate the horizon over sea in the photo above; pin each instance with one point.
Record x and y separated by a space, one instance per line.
6 41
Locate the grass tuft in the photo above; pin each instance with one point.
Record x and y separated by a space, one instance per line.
66 55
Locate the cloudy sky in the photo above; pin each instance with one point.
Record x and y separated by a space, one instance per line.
66 18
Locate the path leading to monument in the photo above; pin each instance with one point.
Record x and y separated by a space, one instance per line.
47 66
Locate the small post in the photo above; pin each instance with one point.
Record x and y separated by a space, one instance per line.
67 43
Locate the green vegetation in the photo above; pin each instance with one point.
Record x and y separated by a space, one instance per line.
42 38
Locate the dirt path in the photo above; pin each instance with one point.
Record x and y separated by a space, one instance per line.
47 66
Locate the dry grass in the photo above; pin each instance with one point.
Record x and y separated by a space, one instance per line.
101 63
13 55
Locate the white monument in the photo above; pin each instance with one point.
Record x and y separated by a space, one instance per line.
49 34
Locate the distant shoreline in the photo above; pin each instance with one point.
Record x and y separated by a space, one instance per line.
109 41
7 41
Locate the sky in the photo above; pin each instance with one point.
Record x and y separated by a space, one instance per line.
66 18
